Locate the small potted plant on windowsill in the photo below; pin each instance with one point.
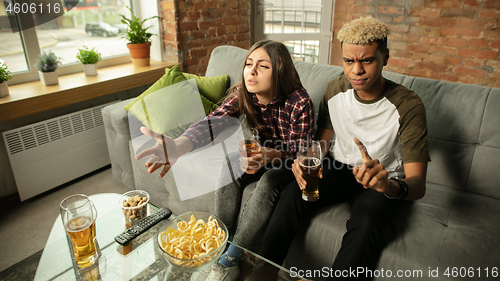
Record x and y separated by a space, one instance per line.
46 65
138 38
5 75
89 58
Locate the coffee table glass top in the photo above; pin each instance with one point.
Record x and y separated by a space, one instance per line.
142 260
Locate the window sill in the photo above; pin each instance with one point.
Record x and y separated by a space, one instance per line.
34 97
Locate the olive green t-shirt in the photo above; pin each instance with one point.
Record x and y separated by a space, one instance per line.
393 127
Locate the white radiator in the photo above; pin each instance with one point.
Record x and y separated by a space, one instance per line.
47 154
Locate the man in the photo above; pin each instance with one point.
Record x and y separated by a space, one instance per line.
379 156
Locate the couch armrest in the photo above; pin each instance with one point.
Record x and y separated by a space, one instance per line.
116 126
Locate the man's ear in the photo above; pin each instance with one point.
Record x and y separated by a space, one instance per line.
386 56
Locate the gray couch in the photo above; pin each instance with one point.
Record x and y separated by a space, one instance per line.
456 226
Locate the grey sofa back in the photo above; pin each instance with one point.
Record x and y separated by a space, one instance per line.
227 60
462 120
485 175
463 132
464 135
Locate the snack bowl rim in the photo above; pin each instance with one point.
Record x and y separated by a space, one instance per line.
120 199
216 252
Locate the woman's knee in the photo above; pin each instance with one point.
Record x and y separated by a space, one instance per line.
275 179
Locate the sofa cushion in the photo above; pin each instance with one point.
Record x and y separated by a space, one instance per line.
454 110
450 164
484 175
454 116
404 80
212 88
227 60
489 134
471 235
414 242
172 75
170 110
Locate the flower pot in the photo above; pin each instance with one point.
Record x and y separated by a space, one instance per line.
90 69
140 53
48 78
4 89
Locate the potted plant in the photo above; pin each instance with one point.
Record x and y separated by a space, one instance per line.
138 38
46 65
89 58
5 75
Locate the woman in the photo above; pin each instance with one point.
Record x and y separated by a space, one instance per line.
273 101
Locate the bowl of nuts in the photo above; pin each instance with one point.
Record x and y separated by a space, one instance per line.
134 205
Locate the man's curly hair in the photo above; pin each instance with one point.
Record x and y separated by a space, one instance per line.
363 31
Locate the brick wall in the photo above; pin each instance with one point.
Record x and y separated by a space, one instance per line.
452 40
170 30
193 28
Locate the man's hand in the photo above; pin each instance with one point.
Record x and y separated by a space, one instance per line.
371 174
297 172
159 157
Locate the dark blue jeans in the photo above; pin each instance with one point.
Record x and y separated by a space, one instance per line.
361 246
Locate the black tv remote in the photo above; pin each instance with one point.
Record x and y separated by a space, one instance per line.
141 226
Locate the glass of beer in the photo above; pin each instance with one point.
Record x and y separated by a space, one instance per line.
309 157
248 142
78 215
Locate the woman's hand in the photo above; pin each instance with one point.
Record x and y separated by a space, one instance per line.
164 153
252 164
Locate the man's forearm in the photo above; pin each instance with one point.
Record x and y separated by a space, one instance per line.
416 188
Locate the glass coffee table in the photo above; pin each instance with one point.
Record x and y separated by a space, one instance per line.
142 260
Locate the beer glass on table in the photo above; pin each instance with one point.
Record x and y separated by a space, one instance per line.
309 157
78 215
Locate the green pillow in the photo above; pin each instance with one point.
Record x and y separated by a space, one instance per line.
170 110
172 75
208 106
213 88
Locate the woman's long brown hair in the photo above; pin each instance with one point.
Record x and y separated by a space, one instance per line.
285 79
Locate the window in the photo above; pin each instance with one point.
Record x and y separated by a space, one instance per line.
11 49
92 23
292 16
304 50
305 27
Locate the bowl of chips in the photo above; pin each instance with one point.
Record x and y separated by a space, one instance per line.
193 240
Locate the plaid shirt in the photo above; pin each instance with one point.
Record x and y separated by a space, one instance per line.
287 123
